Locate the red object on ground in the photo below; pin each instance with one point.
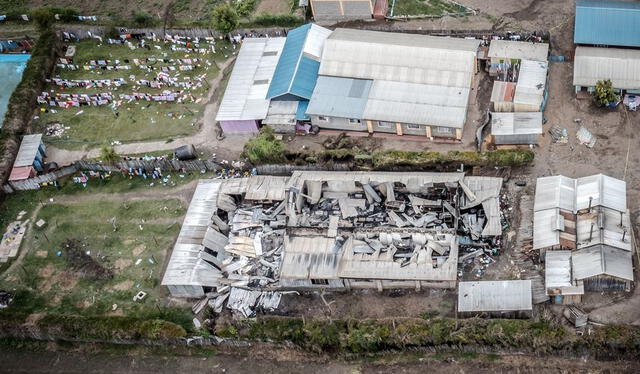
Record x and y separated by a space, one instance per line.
380 9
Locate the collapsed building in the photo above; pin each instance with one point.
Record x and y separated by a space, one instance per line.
587 221
244 241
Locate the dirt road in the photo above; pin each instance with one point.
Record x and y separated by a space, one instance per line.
71 362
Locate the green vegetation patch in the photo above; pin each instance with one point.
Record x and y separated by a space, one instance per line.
426 7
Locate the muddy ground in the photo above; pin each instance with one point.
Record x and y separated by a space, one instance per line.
266 359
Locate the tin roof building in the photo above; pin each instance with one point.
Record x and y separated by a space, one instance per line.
516 128
609 23
343 10
515 50
297 70
416 82
621 66
245 102
512 298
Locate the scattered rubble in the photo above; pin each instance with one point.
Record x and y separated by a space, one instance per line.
559 134
586 137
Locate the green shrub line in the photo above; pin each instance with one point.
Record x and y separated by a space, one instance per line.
265 148
376 335
88 328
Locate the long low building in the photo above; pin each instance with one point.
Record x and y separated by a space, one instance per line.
502 299
399 83
336 230
621 66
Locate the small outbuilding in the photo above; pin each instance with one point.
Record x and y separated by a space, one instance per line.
502 96
30 158
531 89
500 299
516 128
558 279
603 268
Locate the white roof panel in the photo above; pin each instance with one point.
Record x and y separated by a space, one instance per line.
495 296
621 66
531 83
523 123
518 50
245 95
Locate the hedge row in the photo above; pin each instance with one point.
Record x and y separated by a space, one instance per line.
370 336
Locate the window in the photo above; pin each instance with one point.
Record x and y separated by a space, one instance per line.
323 119
354 121
444 130
270 53
322 282
384 124
412 126
261 81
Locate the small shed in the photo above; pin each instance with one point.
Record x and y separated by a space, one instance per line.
558 280
502 96
501 299
603 268
32 152
531 87
501 50
516 128
341 10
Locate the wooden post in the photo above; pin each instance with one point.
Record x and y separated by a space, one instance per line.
370 126
398 128
458 134
428 131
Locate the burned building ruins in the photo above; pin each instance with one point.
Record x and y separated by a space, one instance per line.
244 241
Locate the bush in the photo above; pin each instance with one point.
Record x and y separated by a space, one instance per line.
279 20
143 19
604 93
264 148
244 8
43 17
224 18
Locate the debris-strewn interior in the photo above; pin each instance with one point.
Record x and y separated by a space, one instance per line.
245 241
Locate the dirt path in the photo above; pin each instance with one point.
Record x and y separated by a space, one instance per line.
206 136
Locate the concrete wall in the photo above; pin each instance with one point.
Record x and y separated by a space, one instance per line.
338 123
516 139
239 127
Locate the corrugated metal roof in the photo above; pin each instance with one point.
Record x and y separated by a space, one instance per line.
621 66
609 227
302 110
602 260
495 296
245 95
531 83
297 68
614 23
557 191
605 191
310 257
281 113
417 103
545 228
502 91
400 57
557 269
518 50
339 97
516 123
28 150
186 267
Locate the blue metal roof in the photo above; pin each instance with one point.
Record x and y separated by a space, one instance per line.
340 97
612 23
295 74
301 112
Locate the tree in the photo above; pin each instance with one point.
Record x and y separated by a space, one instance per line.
44 18
109 155
604 93
168 17
225 18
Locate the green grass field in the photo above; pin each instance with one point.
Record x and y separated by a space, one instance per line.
425 7
138 120
135 252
